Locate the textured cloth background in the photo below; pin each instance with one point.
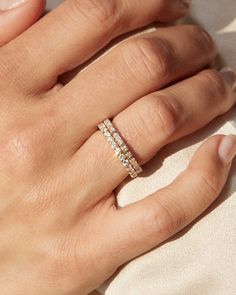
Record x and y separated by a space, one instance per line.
201 260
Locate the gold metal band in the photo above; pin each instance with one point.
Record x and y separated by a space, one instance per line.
121 149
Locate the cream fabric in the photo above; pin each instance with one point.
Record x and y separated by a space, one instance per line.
201 260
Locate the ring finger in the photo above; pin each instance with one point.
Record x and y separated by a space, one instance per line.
149 124
133 69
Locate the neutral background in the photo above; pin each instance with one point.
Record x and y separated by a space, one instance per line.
201 260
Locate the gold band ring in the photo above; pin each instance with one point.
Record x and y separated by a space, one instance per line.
121 149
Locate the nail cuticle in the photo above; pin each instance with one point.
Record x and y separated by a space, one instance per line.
229 76
227 149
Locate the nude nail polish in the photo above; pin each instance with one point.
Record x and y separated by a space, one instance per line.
227 149
229 75
9 4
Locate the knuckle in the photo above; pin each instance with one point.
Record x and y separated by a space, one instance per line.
208 182
148 58
215 85
163 219
201 37
101 12
161 113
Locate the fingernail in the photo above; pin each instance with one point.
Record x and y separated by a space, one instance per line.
227 149
9 4
229 75
184 4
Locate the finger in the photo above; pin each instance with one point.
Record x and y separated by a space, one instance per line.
16 16
136 68
145 224
77 29
149 124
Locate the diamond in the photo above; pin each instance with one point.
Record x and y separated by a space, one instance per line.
121 149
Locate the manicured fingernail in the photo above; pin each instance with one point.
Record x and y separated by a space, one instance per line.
9 4
229 76
227 149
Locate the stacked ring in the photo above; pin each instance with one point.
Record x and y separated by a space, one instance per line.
121 149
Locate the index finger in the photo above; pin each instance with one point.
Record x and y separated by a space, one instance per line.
77 29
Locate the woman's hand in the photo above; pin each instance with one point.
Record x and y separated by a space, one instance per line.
61 232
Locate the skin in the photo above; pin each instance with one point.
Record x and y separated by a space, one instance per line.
61 231
15 21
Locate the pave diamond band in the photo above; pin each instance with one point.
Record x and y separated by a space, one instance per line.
121 150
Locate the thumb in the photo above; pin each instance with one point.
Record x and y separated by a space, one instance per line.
17 15
145 224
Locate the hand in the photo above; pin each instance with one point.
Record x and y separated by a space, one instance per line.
61 232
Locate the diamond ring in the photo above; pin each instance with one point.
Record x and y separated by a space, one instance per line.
121 149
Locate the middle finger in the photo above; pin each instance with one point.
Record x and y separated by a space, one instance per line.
149 124
135 68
